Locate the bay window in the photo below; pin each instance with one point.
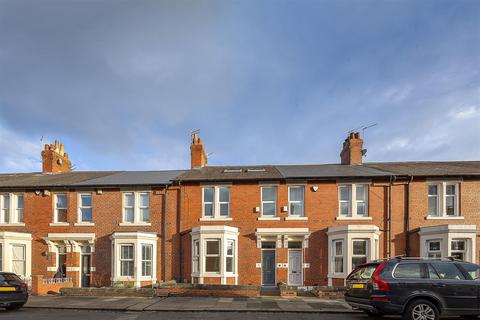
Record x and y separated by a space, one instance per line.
434 249
19 259
147 250
126 260
458 249
359 252
337 256
230 255
212 256
216 202
196 256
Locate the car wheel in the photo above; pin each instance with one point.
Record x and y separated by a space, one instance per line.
14 307
373 314
421 310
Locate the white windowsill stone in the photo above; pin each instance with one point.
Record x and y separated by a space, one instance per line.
134 224
215 219
268 218
296 218
59 224
353 218
444 218
84 224
13 224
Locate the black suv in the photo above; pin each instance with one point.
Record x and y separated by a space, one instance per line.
13 291
420 289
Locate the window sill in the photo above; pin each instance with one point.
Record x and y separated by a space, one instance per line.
444 218
215 219
268 218
296 218
353 218
134 224
84 224
13 224
59 224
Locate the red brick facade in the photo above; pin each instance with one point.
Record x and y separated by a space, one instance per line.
394 206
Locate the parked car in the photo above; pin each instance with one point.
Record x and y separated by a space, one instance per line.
418 289
13 291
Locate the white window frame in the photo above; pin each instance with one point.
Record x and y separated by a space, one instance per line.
434 253
132 259
23 260
196 256
80 207
55 208
448 233
353 201
232 255
146 261
442 200
335 256
219 255
136 208
465 246
366 255
216 202
11 215
269 201
7 239
290 202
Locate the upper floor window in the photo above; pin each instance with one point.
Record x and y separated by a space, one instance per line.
296 201
269 201
60 214
353 200
136 207
443 199
11 208
85 207
216 202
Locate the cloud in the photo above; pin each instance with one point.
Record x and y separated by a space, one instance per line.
466 113
19 153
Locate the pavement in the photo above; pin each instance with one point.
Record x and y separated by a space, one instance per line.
189 304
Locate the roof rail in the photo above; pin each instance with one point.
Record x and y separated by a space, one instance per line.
425 258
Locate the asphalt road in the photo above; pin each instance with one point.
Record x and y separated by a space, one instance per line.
51 314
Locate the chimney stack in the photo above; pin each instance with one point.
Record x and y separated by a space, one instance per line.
197 153
352 151
55 159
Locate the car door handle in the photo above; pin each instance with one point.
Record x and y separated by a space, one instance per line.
439 285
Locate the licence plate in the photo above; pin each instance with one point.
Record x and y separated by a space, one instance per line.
358 286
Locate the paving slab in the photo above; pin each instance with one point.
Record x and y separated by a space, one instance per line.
179 304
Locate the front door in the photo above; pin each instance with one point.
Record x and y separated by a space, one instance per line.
86 270
295 267
268 267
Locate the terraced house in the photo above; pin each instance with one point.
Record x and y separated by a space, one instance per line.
297 224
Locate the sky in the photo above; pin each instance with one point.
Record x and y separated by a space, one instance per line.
123 83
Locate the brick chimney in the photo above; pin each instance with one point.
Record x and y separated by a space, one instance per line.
197 153
55 159
352 149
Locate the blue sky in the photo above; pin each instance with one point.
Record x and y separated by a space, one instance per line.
122 83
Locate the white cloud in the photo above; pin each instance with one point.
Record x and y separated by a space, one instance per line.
466 113
19 153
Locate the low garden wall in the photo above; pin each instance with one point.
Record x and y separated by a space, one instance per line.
109 291
203 290
329 292
42 286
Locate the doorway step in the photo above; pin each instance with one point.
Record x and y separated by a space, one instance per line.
270 291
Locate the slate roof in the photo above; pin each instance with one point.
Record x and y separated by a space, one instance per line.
242 173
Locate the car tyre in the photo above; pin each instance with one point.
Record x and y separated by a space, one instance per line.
14 307
421 310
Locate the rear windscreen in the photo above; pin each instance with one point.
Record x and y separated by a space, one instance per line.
7 278
363 272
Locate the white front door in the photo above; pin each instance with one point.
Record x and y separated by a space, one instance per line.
295 267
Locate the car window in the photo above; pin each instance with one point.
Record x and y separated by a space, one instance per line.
408 271
448 271
6 279
432 274
472 269
363 273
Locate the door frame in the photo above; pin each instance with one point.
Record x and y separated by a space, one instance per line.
81 269
301 267
274 267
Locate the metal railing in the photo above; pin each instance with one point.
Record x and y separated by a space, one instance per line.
57 280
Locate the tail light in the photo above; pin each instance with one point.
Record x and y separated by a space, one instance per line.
24 286
379 284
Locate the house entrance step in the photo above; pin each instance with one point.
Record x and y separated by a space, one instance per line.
270 291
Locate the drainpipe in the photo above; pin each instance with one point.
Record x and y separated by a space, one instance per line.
164 232
407 218
389 216
179 230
